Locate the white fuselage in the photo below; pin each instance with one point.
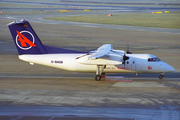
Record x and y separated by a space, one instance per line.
137 63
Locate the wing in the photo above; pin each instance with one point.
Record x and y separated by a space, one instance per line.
102 56
101 51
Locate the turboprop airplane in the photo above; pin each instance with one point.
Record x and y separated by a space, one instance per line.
103 60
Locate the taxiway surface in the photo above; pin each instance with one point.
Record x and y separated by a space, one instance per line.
48 97
39 92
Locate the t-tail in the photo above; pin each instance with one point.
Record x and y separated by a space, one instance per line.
25 38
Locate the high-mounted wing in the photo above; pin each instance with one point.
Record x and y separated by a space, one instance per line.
101 51
102 56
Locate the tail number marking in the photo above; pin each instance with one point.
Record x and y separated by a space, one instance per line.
57 61
23 42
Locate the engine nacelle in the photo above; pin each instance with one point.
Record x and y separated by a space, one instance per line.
115 57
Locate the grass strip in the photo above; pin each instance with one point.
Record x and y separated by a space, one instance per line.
164 20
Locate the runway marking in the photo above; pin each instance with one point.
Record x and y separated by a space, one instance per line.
89 26
51 118
11 18
17 118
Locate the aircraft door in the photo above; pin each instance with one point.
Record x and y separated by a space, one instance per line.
133 65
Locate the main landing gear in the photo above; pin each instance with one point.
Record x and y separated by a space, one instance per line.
99 72
161 75
98 77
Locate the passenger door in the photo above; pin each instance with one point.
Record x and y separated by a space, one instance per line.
133 64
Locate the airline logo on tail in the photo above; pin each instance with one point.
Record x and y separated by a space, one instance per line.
23 42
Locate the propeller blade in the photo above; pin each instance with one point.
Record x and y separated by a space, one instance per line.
128 49
125 58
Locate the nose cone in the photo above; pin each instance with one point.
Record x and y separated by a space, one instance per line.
171 69
168 68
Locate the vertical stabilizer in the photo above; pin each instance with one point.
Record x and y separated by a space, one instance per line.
25 38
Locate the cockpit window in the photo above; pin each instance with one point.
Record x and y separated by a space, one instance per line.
153 60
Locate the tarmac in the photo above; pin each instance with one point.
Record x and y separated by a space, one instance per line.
39 92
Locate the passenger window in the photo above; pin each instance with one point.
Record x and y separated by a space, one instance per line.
127 62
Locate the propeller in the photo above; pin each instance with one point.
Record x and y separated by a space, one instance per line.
128 49
125 58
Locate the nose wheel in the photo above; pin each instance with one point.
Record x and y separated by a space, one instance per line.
161 75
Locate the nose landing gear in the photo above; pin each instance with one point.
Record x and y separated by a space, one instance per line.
98 78
161 75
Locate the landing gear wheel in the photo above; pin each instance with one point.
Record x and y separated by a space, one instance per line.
98 77
160 76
